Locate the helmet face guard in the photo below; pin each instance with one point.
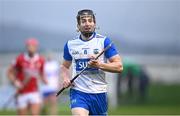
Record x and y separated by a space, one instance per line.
86 13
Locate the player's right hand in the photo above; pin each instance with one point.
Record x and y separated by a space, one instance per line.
18 84
66 83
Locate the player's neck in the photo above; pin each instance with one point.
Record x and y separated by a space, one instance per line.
31 54
87 36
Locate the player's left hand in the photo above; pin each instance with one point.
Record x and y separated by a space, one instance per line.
94 63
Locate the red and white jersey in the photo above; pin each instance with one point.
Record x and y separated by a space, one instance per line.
28 70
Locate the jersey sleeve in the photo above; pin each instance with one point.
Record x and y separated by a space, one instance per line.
16 63
66 54
111 51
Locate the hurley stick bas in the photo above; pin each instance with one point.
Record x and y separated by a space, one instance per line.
75 77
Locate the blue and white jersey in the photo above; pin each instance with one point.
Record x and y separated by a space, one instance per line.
51 73
92 80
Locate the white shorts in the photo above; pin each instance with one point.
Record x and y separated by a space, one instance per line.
29 98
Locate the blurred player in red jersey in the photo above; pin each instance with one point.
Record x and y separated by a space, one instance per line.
24 73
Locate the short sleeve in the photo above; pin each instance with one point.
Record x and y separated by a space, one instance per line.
16 63
66 54
111 51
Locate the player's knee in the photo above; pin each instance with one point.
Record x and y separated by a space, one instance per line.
79 112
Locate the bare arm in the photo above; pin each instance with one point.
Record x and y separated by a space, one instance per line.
65 74
114 65
43 78
11 73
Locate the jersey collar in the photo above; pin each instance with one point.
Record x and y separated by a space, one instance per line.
34 58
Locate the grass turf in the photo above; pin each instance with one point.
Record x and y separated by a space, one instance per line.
162 100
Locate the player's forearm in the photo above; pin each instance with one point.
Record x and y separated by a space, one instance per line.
65 76
11 75
115 67
43 79
65 73
12 78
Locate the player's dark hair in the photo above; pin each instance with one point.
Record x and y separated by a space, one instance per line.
85 12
